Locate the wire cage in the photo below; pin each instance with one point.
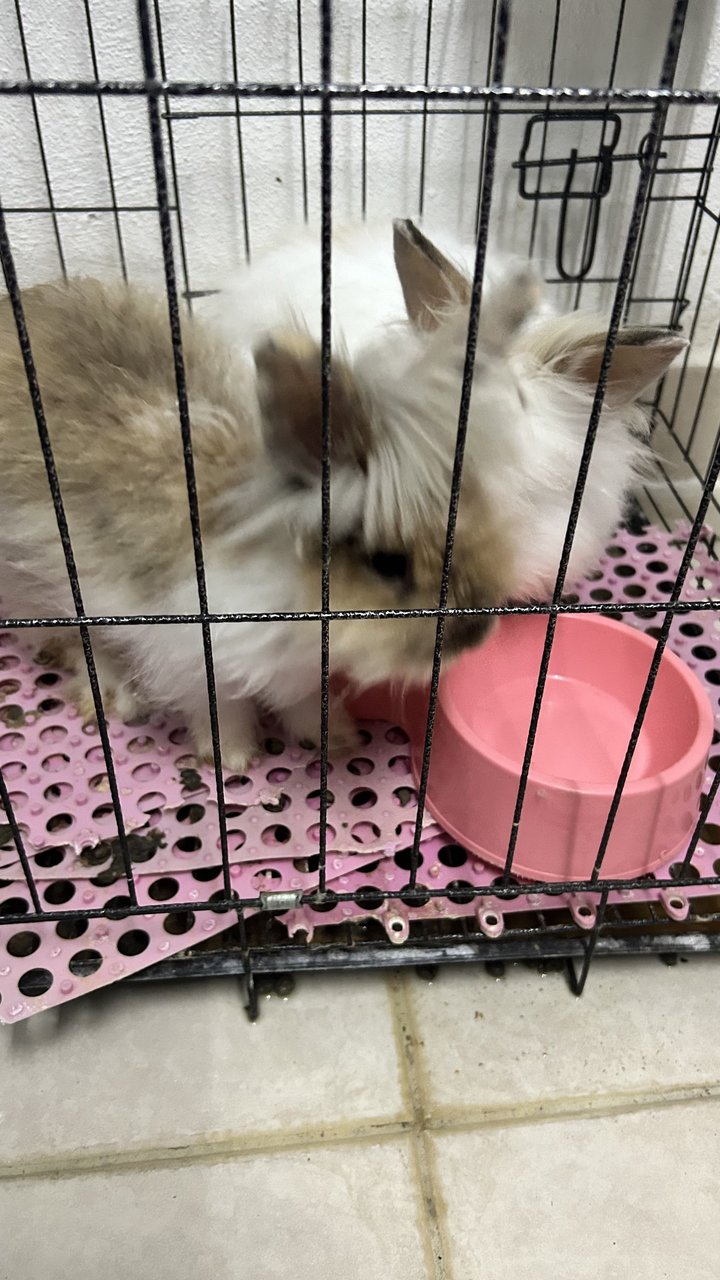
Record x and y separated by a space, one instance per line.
162 141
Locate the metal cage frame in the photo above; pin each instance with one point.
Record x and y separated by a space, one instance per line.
254 948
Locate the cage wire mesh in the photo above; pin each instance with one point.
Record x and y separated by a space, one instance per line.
163 142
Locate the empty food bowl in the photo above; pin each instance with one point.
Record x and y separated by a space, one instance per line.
597 673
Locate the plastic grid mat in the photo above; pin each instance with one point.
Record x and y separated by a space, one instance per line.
55 773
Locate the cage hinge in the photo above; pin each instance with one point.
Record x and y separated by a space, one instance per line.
280 899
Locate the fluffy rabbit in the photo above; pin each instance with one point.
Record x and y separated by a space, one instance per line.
106 375
283 285
400 308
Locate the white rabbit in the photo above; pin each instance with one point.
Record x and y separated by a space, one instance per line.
283 285
106 374
528 456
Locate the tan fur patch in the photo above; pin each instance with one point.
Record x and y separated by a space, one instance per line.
403 647
104 358
290 391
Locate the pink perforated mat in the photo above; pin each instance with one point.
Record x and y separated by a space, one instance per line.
55 773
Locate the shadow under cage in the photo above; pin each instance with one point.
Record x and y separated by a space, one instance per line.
149 143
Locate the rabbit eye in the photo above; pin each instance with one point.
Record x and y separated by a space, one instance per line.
392 565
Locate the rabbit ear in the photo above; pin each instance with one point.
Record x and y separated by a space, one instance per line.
574 347
429 280
290 398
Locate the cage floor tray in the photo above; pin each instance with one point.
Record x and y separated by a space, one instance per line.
56 776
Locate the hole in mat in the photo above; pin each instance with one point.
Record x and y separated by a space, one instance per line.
360 766
278 834
278 775
59 892
308 864
55 762
14 907
85 963
15 769
452 855
71 929
219 897
363 798
405 796
50 704
460 891
396 735
35 982
190 813
117 907
47 679
327 904
58 791
50 857
365 832
690 873
163 889
369 897
403 859
177 922
59 822
187 844
133 943
312 799
279 805
417 897
24 943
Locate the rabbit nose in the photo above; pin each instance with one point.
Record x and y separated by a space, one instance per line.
465 631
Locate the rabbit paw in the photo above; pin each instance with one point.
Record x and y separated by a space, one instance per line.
237 757
61 651
238 738
119 700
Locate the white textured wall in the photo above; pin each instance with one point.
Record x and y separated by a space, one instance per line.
197 46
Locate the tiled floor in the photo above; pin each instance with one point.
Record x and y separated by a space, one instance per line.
369 1127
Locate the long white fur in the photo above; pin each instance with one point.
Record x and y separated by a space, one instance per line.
284 285
527 423
525 438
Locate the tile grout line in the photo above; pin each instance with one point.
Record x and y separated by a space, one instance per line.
206 1150
580 1107
238 1146
407 1040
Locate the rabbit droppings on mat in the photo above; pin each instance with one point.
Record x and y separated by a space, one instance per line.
106 374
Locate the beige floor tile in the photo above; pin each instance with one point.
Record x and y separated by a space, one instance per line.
161 1065
347 1213
624 1197
497 1043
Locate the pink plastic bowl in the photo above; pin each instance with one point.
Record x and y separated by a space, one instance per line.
598 669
